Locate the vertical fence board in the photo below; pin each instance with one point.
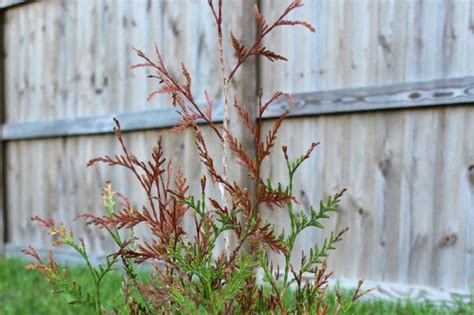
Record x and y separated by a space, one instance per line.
468 197
3 211
91 46
409 199
369 42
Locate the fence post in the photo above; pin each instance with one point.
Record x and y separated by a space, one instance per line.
244 85
246 81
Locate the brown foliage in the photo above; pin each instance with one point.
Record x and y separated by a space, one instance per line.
186 273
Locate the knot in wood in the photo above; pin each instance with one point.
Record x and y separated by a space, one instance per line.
414 95
471 175
448 240
384 166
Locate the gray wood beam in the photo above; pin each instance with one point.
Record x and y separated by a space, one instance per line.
394 96
444 92
131 121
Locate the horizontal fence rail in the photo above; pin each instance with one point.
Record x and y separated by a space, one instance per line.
130 121
395 96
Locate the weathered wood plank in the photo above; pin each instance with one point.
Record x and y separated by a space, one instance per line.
141 120
406 95
90 50
422 179
3 212
368 42
469 201
396 171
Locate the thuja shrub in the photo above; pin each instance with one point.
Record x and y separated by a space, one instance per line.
188 274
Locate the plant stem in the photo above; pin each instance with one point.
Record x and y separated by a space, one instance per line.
292 237
224 143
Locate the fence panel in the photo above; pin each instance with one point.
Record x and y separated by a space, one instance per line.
388 93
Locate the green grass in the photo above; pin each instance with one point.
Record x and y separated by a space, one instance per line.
25 292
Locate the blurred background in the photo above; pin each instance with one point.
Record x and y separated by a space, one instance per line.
386 86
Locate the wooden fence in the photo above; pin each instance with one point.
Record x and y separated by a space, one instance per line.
386 86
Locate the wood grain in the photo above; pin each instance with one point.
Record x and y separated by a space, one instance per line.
403 95
409 199
130 121
88 50
3 211
369 43
407 95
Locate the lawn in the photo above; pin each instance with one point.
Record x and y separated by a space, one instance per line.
24 292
